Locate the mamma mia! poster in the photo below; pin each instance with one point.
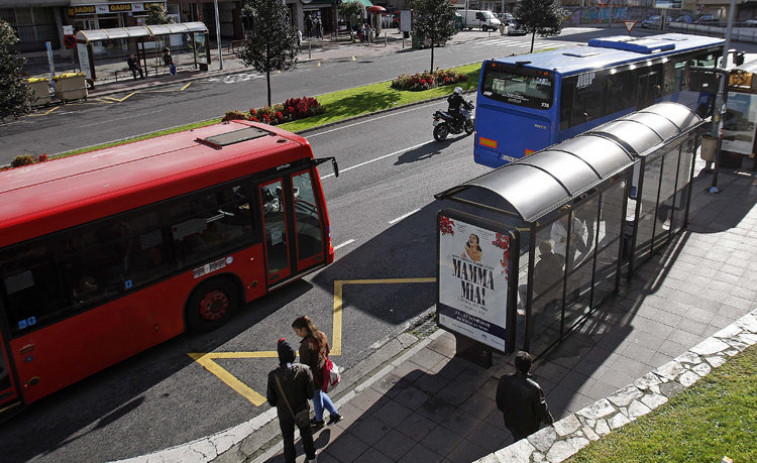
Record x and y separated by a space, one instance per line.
473 281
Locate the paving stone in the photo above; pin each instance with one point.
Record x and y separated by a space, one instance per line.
602 428
589 432
563 450
625 396
688 378
519 451
543 439
729 331
538 457
598 409
637 409
647 380
715 361
748 322
702 369
747 338
670 370
710 346
567 425
654 400
688 357
617 421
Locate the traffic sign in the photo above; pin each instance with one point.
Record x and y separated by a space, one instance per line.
69 41
629 25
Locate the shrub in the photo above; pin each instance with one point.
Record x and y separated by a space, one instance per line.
22 160
291 110
427 80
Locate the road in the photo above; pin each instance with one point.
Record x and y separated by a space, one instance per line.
73 126
383 223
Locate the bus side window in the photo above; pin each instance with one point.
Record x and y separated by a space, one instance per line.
566 102
35 293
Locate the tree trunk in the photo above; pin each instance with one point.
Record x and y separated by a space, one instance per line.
432 57
533 38
268 84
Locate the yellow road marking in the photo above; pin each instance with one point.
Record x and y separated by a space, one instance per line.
207 360
45 113
121 100
182 88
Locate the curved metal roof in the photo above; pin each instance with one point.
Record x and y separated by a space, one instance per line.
548 179
94 35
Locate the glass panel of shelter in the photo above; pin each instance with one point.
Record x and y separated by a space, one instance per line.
612 213
683 185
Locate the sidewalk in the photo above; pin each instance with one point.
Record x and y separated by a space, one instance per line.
687 311
114 77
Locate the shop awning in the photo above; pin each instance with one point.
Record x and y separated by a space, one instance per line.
95 35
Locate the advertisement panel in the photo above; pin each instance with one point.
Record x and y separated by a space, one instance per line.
473 278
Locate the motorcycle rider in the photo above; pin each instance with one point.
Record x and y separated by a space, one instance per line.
455 101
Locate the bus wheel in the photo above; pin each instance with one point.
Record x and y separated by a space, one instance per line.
440 132
212 304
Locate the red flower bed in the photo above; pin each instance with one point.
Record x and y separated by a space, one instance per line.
427 80
291 110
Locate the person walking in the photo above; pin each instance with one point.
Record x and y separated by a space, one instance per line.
521 400
308 25
314 350
289 388
134 66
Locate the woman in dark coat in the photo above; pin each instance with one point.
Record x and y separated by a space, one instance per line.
314 350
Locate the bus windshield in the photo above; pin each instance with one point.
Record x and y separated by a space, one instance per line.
517 85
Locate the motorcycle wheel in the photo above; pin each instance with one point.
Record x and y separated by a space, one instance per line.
469 126
440 132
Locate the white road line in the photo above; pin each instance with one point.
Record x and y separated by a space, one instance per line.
392 222
140 114
344 244
376 159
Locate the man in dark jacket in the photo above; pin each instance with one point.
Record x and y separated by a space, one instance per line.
296 382
521 400
455 102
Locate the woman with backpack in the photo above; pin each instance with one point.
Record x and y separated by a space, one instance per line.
314 350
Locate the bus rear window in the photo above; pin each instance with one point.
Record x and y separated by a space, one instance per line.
521 86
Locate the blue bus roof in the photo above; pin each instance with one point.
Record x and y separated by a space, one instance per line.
609 51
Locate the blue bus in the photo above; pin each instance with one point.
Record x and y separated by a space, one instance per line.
528 102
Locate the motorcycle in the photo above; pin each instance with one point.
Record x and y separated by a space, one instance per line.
445 123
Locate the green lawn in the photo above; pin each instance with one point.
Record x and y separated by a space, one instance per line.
714 418
340 105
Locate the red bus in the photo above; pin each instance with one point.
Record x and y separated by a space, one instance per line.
108 253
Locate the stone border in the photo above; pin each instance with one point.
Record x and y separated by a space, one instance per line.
559 442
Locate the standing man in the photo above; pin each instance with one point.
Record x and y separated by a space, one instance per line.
308 25
521 400
290 388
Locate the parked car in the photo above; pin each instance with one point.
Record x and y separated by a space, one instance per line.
506 18
653 22
707 19
515 29
684 18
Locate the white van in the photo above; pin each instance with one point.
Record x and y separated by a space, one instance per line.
479 18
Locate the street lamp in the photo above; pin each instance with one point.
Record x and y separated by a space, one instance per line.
218 35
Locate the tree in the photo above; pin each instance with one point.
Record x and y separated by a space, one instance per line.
543 17
156 14
272 43
16 96
433 21
351 11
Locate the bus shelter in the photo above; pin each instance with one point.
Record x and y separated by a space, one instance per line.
532 248
145 39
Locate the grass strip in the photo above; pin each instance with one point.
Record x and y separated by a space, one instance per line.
716 417
340 105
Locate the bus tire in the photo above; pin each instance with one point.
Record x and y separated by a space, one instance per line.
212 304
440 132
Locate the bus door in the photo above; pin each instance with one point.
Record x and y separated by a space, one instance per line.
277 241
649 86
293 224
8 392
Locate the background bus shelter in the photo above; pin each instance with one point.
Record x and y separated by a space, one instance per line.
143 41
568 204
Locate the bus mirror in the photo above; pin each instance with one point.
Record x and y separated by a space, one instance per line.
334 165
